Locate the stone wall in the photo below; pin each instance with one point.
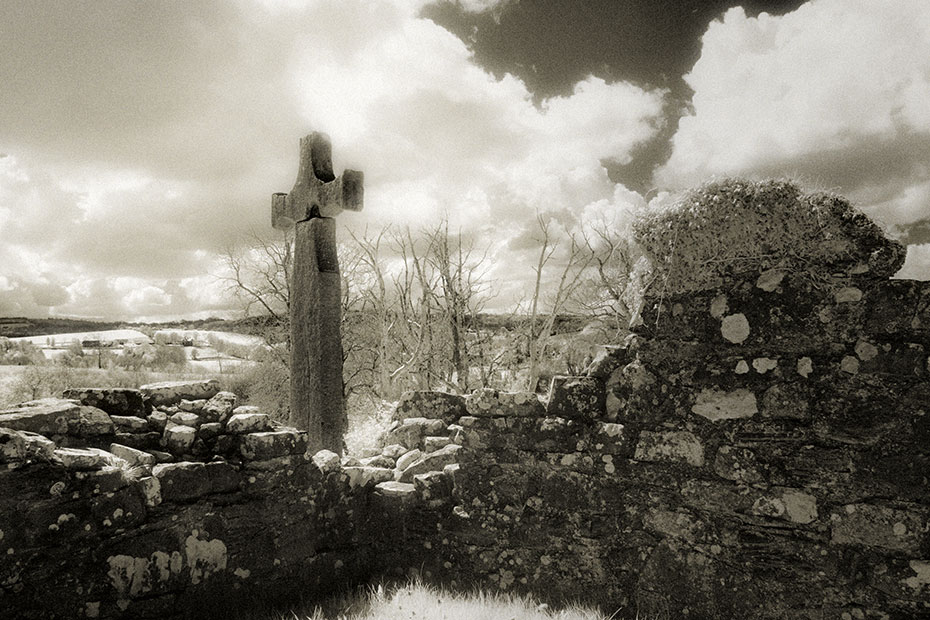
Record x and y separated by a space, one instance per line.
758 450
170 502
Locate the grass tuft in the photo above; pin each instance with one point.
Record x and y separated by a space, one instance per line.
416 601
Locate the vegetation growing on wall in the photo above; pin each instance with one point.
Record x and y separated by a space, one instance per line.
734 226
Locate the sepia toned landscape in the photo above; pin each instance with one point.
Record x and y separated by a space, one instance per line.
465 309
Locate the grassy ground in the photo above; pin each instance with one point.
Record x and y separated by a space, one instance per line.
416 601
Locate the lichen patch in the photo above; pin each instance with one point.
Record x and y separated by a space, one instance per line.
805 366
735 328
764 364
866 351
850 365
769 280
849 294
204 557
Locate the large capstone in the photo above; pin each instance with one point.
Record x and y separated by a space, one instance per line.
172 392
115 401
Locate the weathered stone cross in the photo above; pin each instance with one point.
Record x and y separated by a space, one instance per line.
315 290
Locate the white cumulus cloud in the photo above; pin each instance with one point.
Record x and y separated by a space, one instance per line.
165 131
835 93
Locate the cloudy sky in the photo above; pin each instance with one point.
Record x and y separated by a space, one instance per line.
138 140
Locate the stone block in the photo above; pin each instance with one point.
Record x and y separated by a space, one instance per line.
192 406
114 401
85 458
185 481
433 405
139 441
248 422
410 432
38 446
793 505
186 418
396 490
132 456
219 408
608 359
494 403
671 447
378 461
407 458
394 451
434 461
433 486
180 439
161 457
47 416
157 421
209 430
368 476
327 462
578 398
269 445
246 409
12 446
90 422
129 424
456 434
151 490
432 443
173 392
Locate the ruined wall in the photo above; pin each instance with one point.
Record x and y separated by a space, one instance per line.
221 512
759 448
782 476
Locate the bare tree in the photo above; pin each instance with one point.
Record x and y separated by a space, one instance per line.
460 295
378 306
259 277
603 292
573 264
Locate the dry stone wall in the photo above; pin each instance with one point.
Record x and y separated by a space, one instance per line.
783 476
780 473
170 502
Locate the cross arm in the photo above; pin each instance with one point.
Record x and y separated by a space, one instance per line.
317 191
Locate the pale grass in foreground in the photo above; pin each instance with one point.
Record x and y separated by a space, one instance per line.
416 601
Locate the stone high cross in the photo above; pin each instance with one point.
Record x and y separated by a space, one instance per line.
315 290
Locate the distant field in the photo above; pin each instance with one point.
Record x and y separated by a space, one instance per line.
63 340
